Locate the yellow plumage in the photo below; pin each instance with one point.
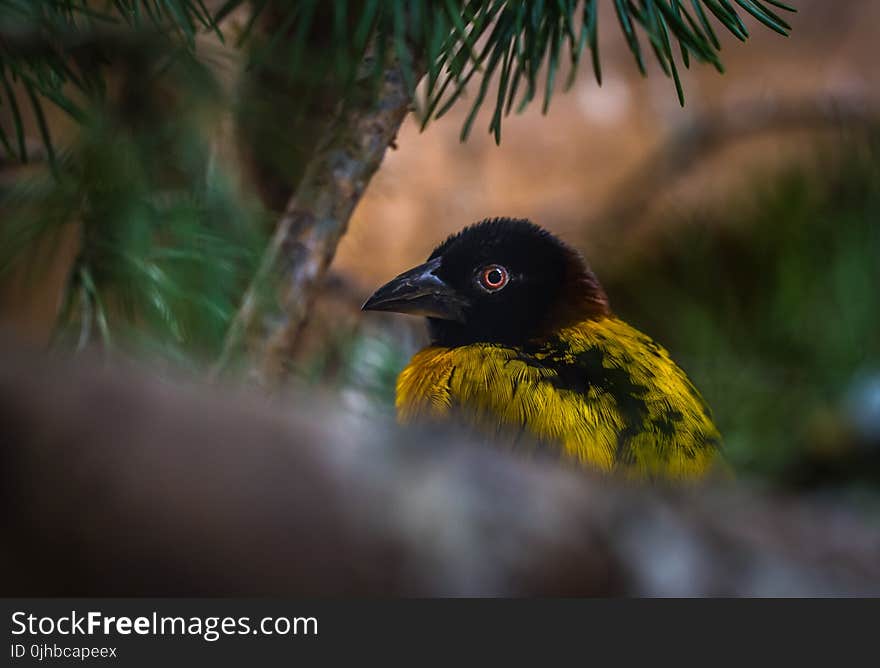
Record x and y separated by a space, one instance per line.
603 392
524 344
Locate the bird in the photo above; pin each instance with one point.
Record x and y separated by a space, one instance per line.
523 343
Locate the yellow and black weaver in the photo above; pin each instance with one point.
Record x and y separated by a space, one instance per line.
522 339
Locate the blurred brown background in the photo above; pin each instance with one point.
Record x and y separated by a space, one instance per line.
564 170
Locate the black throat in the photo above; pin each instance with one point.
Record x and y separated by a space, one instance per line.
550 287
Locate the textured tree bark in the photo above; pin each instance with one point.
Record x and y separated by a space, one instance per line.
115 483
315 219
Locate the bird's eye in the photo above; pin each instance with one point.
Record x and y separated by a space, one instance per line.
494 277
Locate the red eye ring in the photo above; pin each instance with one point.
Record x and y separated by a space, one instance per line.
494 277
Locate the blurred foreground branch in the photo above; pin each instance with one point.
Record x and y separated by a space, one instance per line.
114 483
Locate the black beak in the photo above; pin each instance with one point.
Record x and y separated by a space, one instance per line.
419 291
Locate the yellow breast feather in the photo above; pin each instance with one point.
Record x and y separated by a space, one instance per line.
607 394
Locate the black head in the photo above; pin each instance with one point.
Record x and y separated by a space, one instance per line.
501 280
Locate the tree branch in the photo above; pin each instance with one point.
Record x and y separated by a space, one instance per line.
113 483
314 221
